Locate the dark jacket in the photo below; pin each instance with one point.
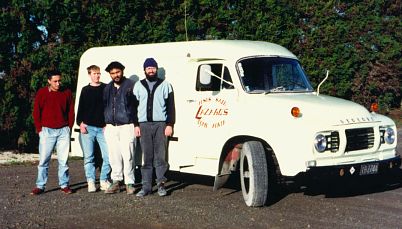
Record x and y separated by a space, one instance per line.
119 103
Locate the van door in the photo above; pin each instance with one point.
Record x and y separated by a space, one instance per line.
215 94
206 107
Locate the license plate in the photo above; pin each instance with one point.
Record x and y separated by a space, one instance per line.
368 169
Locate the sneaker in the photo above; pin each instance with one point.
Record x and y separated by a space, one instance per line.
104 184
37 191
91 186
113 188
143 193
161 189
66 190
130 189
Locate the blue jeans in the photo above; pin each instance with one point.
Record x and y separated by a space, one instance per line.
48 139
87 142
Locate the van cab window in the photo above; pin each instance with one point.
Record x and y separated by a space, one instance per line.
210 78
272 74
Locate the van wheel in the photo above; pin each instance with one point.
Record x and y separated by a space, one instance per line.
254 174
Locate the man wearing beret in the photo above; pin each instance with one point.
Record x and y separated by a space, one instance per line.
119 115
154 123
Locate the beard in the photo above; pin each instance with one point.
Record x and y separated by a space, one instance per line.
151 78
117 80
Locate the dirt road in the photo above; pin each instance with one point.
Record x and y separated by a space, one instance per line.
191 203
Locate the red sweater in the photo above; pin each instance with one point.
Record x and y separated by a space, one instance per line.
53 109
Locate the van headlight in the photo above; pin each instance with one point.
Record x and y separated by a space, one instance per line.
320 143
389 135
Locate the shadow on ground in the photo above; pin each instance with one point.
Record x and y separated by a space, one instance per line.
339 188
335 188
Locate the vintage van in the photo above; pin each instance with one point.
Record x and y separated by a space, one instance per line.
248 107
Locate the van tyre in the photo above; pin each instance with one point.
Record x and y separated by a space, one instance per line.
254 174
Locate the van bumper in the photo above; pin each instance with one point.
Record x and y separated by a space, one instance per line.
356 170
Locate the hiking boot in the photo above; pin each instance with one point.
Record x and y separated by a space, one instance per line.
161 189
113 188
130 189
66 190
91 186
104 185
37 191
143 193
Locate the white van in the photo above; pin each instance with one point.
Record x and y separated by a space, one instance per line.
248 107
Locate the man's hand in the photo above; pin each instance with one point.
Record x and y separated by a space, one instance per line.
137 131
168 131
83 128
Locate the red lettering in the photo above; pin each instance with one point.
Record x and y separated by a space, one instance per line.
199 113
209 111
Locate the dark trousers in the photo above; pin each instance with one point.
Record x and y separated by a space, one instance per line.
153 143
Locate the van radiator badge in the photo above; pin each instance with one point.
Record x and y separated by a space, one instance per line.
352 170
211 113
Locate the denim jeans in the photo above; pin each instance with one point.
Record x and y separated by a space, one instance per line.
153 143
87 142
48 139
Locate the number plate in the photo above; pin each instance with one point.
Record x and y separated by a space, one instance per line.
368 169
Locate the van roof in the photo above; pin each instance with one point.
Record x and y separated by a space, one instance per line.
199 50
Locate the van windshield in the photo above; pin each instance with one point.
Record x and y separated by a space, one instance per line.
272 75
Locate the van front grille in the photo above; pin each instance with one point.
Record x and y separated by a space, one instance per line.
359 139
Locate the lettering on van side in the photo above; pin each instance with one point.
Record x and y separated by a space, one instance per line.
211 113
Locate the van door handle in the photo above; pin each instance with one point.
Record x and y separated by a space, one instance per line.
190 100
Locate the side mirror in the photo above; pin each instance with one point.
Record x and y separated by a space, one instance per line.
205 76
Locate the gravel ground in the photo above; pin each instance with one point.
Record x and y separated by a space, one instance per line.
191 203
98 210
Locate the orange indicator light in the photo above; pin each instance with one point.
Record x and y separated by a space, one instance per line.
374 107
295 112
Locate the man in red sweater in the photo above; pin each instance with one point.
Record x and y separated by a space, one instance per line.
53 116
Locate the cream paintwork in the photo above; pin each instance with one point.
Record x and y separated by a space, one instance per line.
267 117
291 138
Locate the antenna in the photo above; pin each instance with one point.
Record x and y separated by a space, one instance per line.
185 18
326 77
